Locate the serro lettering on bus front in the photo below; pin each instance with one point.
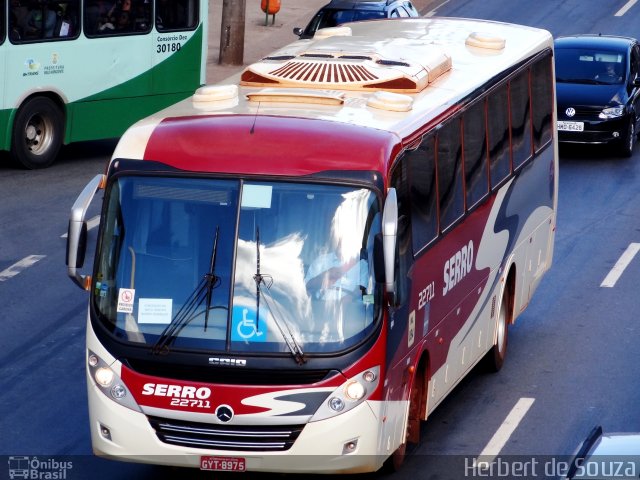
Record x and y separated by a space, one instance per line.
178 391
457 267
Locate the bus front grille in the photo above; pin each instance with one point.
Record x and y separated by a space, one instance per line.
261 438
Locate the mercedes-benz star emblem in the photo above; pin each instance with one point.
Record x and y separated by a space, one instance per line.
224 413
570 111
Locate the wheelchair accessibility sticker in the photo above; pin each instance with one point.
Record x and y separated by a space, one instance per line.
245 328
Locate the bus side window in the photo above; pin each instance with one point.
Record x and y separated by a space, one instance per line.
520 119
422 199
124 16
498 125
475 153
449 162
176 15
542 93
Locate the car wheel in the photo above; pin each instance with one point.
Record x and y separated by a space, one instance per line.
37 133
629 140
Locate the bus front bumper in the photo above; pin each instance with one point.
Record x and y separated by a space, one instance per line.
122 434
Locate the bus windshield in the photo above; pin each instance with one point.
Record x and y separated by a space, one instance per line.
231 265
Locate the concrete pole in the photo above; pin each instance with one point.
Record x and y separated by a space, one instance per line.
232 32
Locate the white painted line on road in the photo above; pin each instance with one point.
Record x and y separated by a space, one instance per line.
91 223
18 267
500 438
434 11
625 8
622 263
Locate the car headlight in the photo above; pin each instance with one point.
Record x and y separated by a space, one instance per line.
611 112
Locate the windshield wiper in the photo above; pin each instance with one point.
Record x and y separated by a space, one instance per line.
285 331
202 293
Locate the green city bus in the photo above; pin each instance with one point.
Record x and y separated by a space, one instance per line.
77 70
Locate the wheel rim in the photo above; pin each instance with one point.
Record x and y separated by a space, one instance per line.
632 134
38 134
501 330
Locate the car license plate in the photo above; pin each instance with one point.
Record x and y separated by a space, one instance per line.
223 464
571 126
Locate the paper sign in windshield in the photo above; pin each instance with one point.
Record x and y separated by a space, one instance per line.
154 310
125 300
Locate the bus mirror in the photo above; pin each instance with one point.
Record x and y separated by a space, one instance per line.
389 236
77 234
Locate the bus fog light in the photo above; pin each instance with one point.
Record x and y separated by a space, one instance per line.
93 361
118 391
369 376
104 376
354 390
336 404
349 447
105 432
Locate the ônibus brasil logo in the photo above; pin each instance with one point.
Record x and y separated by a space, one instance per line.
40 469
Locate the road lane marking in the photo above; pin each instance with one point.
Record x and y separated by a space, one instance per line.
620 266
500 438
91 223
18 267
625 8
434 11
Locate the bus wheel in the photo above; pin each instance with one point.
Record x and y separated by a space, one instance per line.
496 356
413 423
37 133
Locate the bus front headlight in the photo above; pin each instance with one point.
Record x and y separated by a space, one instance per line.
109 382
349 395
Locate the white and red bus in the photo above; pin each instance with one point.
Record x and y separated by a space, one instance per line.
294 269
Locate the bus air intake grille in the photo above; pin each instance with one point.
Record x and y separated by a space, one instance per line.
324 73
256 438
230 375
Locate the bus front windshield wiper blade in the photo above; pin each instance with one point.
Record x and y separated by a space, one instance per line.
265 294
203 293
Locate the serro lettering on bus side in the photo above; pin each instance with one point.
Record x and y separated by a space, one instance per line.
457 267
176 391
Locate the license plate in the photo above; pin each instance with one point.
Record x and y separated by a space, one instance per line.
223 464
571 126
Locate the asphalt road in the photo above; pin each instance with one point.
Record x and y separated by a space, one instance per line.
572 356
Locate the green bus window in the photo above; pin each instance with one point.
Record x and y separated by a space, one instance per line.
176 15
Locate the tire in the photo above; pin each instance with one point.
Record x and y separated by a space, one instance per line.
38 130
629 140
395 462
496 356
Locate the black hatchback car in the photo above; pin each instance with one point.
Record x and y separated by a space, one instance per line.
337 12
598 90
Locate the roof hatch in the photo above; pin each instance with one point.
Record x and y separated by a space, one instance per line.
331 63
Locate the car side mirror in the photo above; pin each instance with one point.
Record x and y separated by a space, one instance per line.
298 31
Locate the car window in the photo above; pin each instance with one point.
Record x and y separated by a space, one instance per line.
332 18
589 66
635 59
